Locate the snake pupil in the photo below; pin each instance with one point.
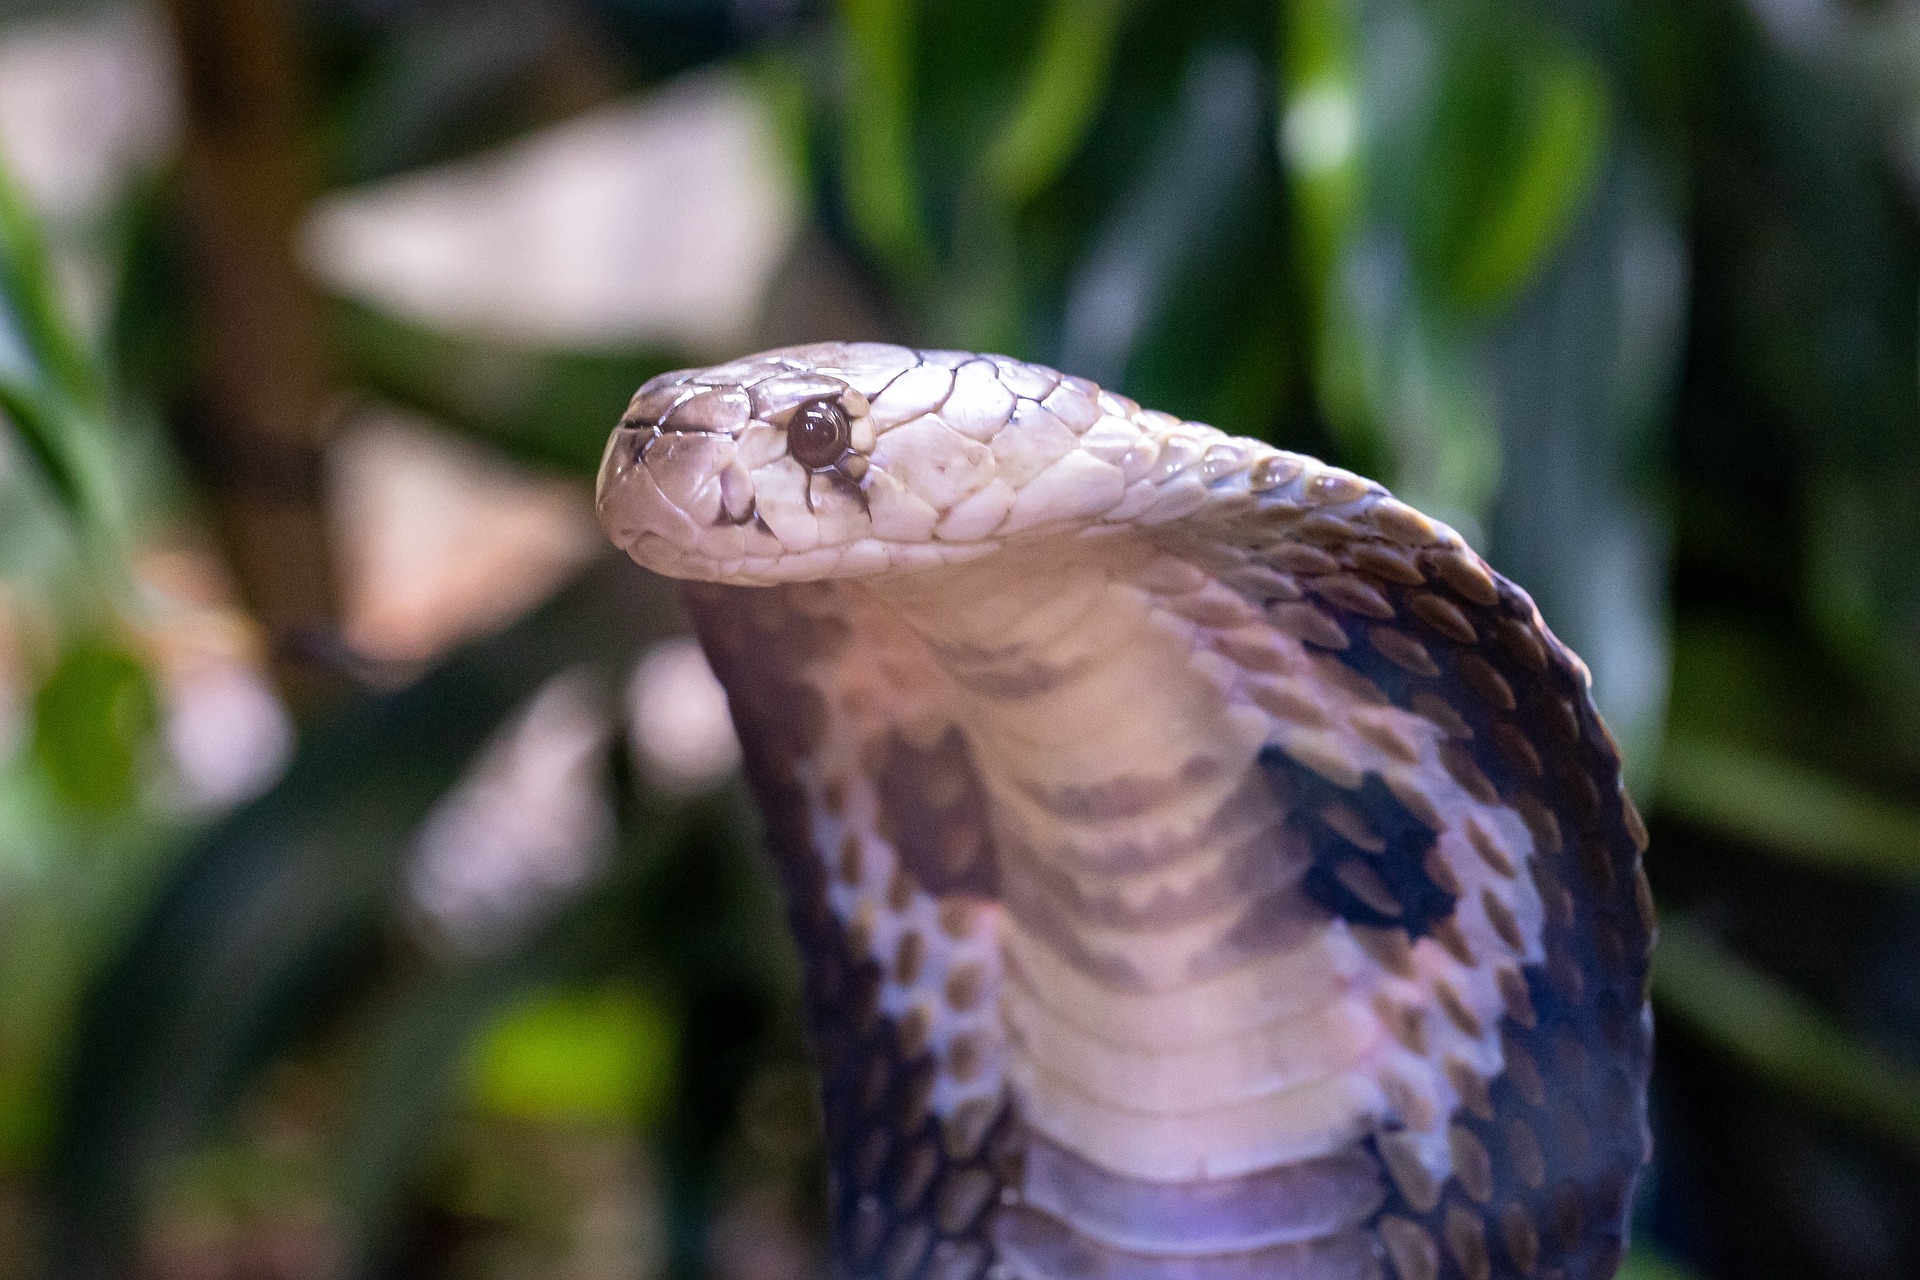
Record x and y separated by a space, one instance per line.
818 434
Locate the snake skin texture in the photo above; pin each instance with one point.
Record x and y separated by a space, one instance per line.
1206 867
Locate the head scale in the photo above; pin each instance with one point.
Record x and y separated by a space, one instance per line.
848 459
681 484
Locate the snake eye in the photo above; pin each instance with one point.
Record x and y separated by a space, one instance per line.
818 434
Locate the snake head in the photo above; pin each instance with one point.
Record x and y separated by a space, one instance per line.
852 459
710 468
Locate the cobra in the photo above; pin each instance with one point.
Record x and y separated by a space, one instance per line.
1205 866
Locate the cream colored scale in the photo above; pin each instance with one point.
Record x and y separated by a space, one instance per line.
1161 1077
1157 1051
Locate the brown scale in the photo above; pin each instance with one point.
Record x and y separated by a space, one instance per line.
1547 1153
1546 1156
908 1193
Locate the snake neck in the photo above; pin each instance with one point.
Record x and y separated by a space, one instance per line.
1222 874
1071 680
1150 1032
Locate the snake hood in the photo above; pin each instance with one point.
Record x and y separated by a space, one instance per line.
1206 866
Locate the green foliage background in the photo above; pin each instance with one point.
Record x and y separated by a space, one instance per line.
1625 289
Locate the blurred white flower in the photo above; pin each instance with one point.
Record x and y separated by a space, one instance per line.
85 102
228 735
438 540
527 827
682 732
658 222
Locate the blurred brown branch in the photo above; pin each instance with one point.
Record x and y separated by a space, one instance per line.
253 420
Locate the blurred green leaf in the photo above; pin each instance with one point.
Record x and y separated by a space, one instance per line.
94 722
1645 1264
1319 130
1486 128
1441 155
51 388
279 910
1775 804
32 295
778 79
428 1041
1167 233
603 1054
1583 367
877 120
1068 75
1780 1035
550 409
46 428
1559 160
448 82
1403 393
25 1119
